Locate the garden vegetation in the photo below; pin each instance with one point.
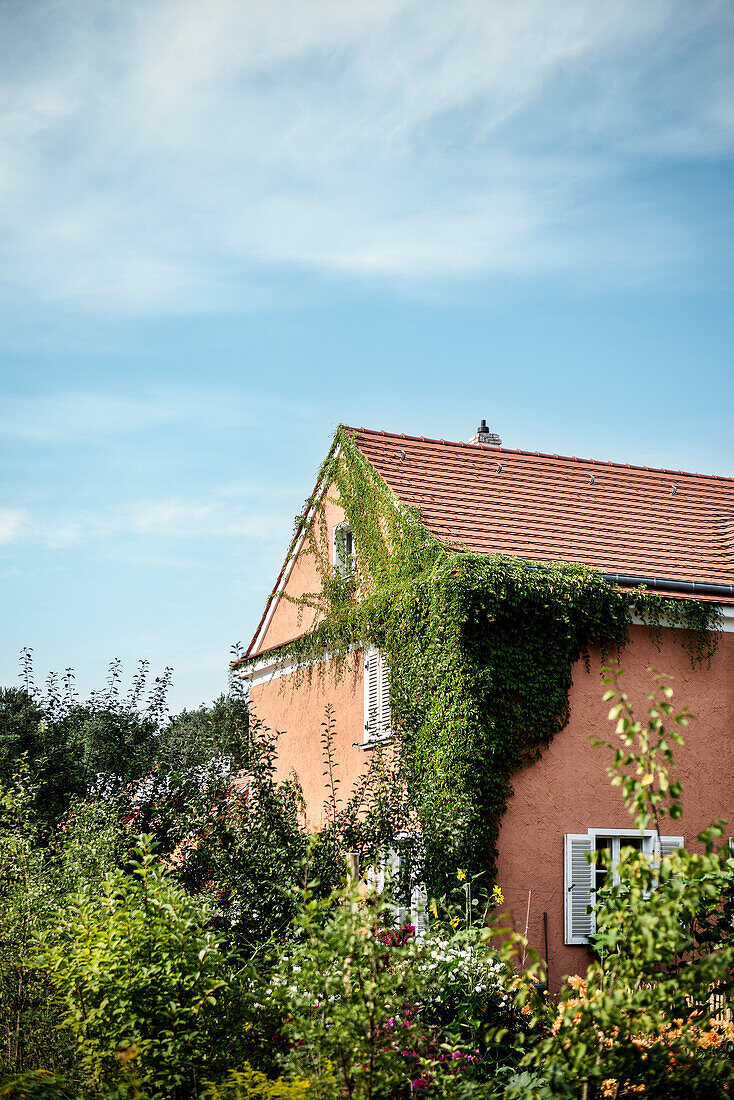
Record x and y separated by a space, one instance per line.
169 930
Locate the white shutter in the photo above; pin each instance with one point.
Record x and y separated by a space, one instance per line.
385 717
371 695
377 723
577 888
391 875
376 874
669 844
419 910
388 870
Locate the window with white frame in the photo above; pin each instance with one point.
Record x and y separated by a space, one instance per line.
583 879
396 872
344 549
377 720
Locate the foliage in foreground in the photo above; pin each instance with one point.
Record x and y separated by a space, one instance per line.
217 964
141 983
365 1009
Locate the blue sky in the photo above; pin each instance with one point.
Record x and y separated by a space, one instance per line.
227 226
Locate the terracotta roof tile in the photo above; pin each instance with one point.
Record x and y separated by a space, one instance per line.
617 518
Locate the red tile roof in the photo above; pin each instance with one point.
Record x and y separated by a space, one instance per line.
618 518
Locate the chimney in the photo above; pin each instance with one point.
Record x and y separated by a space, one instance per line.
485 438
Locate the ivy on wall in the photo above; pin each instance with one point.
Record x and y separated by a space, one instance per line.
481 649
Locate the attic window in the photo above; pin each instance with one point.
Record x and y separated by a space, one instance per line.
344 549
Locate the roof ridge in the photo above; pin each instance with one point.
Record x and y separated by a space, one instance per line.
537 454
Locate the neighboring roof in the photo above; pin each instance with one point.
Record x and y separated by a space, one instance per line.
617 518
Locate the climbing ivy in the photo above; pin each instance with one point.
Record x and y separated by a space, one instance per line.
481 649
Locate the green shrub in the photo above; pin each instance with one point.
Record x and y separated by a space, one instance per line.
241 1084
31 893
464 986
139 978
248 1084
36 1085
359 1002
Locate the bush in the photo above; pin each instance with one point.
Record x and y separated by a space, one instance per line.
31 893
248 1084
36 1085
465 989
140 979
360 1005
243 1084
241 843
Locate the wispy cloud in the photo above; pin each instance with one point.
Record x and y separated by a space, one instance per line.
13 524
226 515
162 153
76 416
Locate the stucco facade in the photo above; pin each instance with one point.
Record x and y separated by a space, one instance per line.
297 707
285 619
566 791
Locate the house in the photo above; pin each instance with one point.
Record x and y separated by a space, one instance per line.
440 560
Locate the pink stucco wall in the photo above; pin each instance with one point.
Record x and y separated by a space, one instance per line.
296 705
298 708
289 620
568 790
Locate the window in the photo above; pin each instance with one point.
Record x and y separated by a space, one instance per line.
582 879
344 549
396 870
377 721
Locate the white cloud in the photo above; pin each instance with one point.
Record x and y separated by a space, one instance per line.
13 524
162 153
238 515
173 518
76 416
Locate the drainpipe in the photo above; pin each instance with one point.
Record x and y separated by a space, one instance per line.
689 588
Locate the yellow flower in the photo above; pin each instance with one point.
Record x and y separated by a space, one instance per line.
461 875
127 1052
497 894
455 922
